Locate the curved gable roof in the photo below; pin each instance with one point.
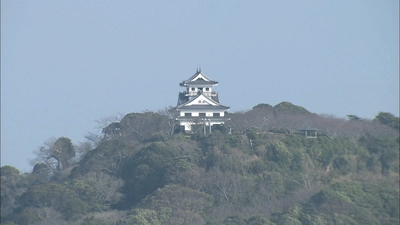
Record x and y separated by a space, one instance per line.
205 102
198 79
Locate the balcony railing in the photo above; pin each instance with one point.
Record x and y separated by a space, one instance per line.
206 93
206 117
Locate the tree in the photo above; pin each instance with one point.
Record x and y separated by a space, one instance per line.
94 138
13 185
146 170
113 130
227 187
42 216
106 128
56 196
98 190
8 171
354 117
178 204
330 126
260 118
139 126
179 197
82 149
171 114
388 119
144 217
56 154
108 157
278 153
107 120
63 150
290 123
289 108
106 187
41 173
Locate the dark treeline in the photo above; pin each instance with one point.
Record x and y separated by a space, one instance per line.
259 168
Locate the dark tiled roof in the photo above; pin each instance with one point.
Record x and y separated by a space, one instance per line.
199 94
308 128
215 98
198 81
182 98
184 104
203 107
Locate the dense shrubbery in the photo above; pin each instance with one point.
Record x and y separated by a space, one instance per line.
262 172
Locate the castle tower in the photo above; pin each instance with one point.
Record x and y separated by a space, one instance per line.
199 104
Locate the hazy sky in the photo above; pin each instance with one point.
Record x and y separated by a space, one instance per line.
65 64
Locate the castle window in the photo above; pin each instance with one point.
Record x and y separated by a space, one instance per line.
188 114
207 89
216 115
193 89
202 114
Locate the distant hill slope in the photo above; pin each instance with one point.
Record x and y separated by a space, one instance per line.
287 107
257 169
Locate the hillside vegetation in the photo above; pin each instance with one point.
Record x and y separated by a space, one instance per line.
257 169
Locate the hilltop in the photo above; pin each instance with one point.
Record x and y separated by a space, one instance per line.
259 168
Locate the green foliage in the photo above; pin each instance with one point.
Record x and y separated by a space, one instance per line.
8 171
158 137
63 151
146 170
388 119
354 117
254 220
278 153
258 220
308 219
41 173
234 220
93 221
383 151
140 174
257 166
107 157
263 106
144 217
252 134
288 220
88 194
178 197
287 107
324 151
8 223
113 129
40 168
56 154
12 187
355 203
57 196
342 164
139 126
234 141
27 215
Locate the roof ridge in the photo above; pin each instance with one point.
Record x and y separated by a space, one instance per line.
198 72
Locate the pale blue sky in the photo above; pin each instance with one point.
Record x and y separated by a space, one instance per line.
65 64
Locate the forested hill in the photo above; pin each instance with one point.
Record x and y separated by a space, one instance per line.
259 168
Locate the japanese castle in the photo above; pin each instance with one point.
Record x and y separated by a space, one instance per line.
199 105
